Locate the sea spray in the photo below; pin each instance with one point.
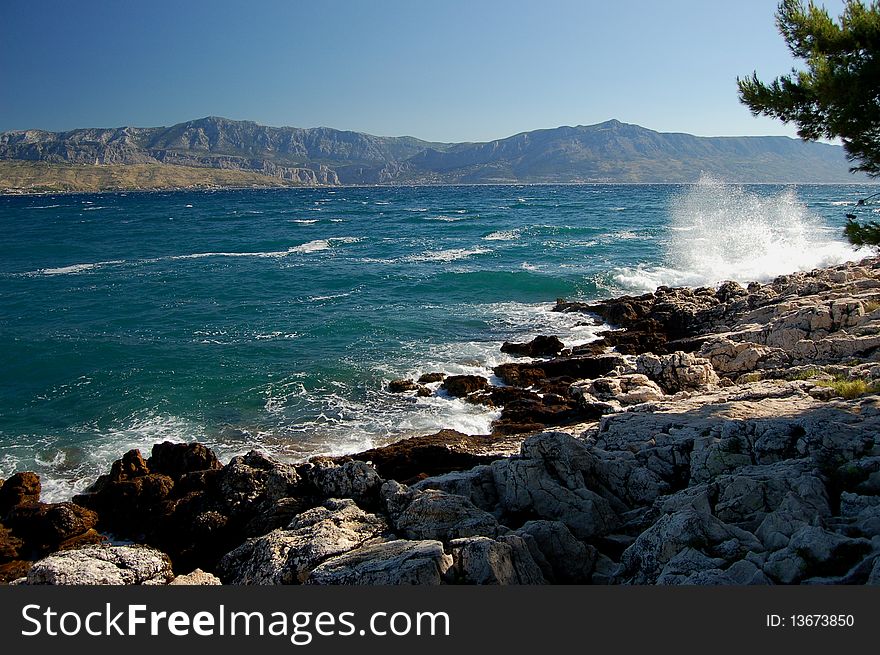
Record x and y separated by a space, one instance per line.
721 232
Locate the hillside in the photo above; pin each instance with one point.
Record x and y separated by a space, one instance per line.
607 152
40 177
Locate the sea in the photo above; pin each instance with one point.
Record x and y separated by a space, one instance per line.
274 319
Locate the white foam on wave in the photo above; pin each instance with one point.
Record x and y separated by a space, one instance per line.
503 235
725 232
450 255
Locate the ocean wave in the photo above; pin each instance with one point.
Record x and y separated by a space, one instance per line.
503 235
305 221
450 255
725 232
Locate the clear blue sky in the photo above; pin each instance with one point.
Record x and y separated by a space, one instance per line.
447 70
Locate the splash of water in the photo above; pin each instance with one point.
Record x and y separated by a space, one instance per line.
721 232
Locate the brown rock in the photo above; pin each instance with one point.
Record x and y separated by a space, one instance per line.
10 545
20 489
14 570
540 346
428 378
402 386
462 385
176 459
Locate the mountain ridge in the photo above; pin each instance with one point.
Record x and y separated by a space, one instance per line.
607 152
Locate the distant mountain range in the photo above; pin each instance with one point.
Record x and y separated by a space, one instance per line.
607 152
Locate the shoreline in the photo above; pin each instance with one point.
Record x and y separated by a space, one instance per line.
272 187
737 424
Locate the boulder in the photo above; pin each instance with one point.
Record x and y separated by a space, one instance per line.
353 479
678 371
103 565
197 578
563 559
540 346
644 561
436 515
814 551
19 489
402 386
287 556
398 562
462 385
177 459
485 561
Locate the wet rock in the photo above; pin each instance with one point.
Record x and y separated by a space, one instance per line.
428 378
402 386
103 565
462 385
540 346
398 562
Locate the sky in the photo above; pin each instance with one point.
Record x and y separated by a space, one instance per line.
450 70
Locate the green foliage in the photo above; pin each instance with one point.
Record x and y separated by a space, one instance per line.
838 95
806 374
849 389
862 234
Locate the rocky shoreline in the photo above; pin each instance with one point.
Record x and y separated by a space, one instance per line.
714 436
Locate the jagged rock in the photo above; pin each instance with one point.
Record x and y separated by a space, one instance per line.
615 393
399 562
735 358
538 347
196 578
103 565
353 479
476 484
19 489
814 551
563 559
462 385
428 378
684 564
447 450
677 372
402 386
48 526
255 478
286 556
645 559
436 515
176 459
9 545
548 482
481 560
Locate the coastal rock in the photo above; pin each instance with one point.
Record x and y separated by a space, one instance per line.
103 565
286 556
398 562
402 386
353 479
678 371
476 484
562 558
177 459
197 578
540 346
547 482
814 551
462 385
20 489
435 454
253 479
437 515
429 378
611 394
644 561
482 561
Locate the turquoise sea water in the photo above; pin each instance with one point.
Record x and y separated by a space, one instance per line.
274 319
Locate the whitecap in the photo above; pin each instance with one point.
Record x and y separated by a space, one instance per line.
503 235
450 255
